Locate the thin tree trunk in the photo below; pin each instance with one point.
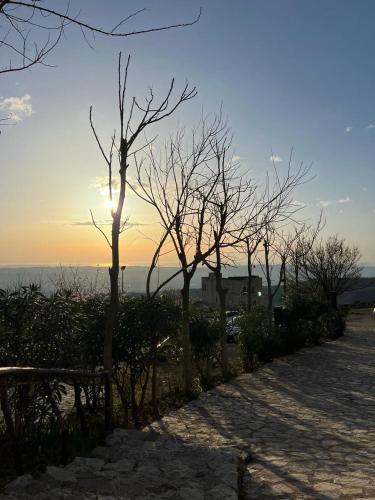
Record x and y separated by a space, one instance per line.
249 279
284 279
296 274
113 306
186 345
154 388
269 286
221 292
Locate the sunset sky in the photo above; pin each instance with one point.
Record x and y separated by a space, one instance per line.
289 73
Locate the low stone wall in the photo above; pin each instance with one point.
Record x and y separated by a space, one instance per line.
137 465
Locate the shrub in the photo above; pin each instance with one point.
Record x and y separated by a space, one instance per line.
256 340
142 325
204 337
332 324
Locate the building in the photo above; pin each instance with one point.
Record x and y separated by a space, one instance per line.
237 290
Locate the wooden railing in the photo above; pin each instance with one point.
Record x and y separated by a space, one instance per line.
13 377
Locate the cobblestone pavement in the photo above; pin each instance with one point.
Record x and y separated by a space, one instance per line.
306 421
301 427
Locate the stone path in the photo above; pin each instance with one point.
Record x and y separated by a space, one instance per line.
307 421
303 427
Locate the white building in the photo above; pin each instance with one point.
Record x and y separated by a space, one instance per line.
237 291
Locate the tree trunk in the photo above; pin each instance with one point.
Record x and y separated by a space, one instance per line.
221 292
113 307
249 285
333 299
186 346
284 279
268 279
154 382
296 274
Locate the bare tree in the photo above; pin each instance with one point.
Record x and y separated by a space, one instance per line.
232 198
23 24
251 246
274 209
133 119
302 241
179 186
333 267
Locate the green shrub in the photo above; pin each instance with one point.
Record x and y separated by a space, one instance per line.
256 340
332 324
142 325
204 337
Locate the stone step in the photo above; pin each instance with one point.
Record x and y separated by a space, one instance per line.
137 465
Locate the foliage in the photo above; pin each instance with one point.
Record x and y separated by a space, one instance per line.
310 318
204 338
256 338
332 324
142 325
307 319
64 330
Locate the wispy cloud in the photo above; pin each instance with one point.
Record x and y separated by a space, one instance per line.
348 129
371 125
298 203
276 158
17 108
102 185
327 203
106 222
236 159
345 200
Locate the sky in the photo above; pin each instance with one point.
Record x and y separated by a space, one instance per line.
288 73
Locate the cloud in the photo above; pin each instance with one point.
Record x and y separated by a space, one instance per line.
345 200
348 129
297 203
236 159
107 222
327 203
371 125
89 222
276 158
17 108
102 183
364 188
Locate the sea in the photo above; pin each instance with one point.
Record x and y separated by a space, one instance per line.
132 278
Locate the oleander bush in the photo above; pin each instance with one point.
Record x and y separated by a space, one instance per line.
306 319
256 340
204 337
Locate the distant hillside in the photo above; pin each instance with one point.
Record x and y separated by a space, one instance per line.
363 291
135 278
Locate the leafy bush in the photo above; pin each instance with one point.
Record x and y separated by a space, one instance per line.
204 337
256 340
332 324
310 320
142 325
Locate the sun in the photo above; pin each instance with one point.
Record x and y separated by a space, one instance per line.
109 204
